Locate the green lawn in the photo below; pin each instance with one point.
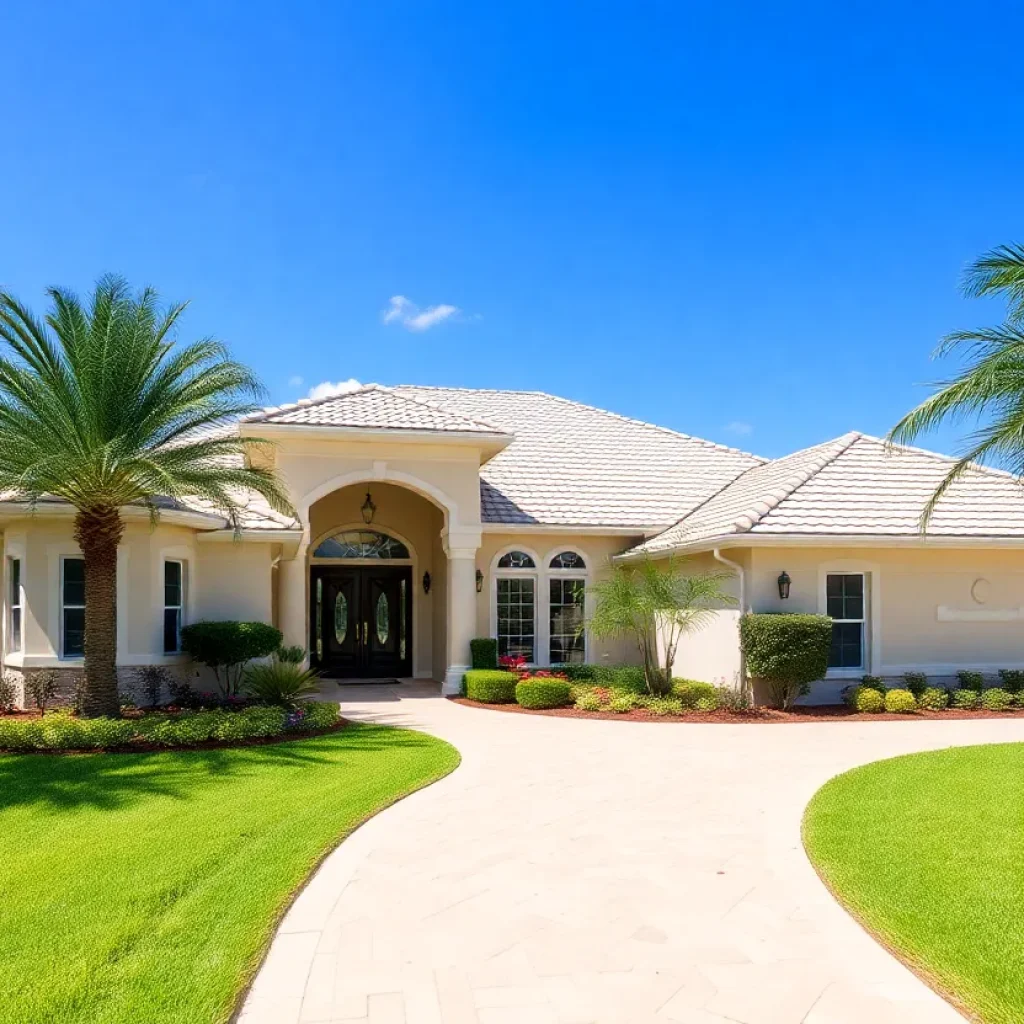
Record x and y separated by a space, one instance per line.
928 851
145 887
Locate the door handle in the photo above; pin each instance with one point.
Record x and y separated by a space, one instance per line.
366 634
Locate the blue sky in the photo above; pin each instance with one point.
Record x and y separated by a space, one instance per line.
746 221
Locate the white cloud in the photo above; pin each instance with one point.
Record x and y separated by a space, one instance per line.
325 389
405 312
739 428
295 382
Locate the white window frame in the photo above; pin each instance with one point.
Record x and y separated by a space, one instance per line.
864 622
182 568
64 607
534 574
15 640
580 575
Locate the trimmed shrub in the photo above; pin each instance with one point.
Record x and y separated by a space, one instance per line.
314 715
483 653
788 651
965 700
621 677
874 683
915 682
867 700
1012 679
665 706
900 702
690 691
621 703
577 673
283 683
588 701
996 700
491 686
933 699
971 681
8 692
226 647
42 688
542 693
252 723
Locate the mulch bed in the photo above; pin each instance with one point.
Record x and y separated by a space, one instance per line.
756 716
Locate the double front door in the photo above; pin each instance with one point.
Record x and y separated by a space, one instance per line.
361 621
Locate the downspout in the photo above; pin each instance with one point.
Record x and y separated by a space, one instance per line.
745 688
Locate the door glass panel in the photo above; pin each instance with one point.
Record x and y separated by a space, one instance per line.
383 625
340 617
319 618
402 615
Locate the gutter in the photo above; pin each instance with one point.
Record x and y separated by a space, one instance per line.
742 574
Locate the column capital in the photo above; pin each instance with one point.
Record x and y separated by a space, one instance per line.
461 541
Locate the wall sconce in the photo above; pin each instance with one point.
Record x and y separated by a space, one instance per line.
784 582
368 510
426 583
479 582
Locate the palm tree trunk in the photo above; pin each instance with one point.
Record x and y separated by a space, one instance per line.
98 531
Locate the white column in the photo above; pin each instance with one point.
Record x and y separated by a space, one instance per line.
292 601
461 553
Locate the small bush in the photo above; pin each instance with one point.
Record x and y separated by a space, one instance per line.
1012 679
8 692
915 682
294 655
665 706
577 673
252 723
965 700
622 702
283 683
227 647
588 701
867 700
997 700
621 677
690 692
151 681
314 715
542 693
874 683
900 702
491 686
933 699
42 688
971 681
184 696
788 651
483 653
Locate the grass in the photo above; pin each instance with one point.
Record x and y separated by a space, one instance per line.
146 887
927 851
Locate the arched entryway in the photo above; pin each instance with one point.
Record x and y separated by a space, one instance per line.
361 605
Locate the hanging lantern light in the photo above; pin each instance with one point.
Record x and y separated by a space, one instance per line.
368 510
784 582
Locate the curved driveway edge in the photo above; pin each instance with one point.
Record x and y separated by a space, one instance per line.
592 872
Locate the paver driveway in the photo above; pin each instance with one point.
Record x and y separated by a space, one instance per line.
588 871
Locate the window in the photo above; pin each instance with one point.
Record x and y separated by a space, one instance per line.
14 604
844 602
174 603
516 618
565 617
516 560
361 544
72 587
568 560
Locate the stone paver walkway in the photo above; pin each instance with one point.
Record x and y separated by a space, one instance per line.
591 872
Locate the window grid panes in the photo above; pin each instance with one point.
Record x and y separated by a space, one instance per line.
844 603
566 619
72 608
516 618
174 602
14 576
361 544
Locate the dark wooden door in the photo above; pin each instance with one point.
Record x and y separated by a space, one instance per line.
361 621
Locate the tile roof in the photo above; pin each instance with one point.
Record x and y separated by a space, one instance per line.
572 464
372 407
855 485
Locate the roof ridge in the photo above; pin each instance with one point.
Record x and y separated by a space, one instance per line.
305 403
492 391
438 408
746 521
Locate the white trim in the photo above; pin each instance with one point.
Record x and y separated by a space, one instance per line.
617 531
539 619
128 661
12 556
872 611
586 575
129 513
62 607
340 432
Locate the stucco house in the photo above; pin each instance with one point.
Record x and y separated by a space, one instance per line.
428 516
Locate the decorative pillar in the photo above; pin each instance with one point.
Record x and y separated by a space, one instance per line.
292 600
461 550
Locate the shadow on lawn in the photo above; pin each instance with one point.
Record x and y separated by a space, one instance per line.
114 781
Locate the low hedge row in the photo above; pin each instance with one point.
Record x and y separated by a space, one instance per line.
542 693
870 699
61 730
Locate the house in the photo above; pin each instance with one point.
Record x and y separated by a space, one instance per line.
428 516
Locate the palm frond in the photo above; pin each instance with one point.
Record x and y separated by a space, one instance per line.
999 272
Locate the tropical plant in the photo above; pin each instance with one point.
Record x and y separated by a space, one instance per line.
295 654
280 682
990 386
99 407
656 606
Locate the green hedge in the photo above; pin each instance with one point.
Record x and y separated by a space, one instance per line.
491 686
695 696
788 651
619 677
971 681
900 702
933 699
60 730
483 653
542 693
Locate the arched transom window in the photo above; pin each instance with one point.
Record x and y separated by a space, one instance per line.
516 560
361 544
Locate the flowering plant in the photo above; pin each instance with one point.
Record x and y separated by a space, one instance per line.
512 662
543 673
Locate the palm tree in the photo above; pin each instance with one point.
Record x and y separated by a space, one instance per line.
990 387
99 407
